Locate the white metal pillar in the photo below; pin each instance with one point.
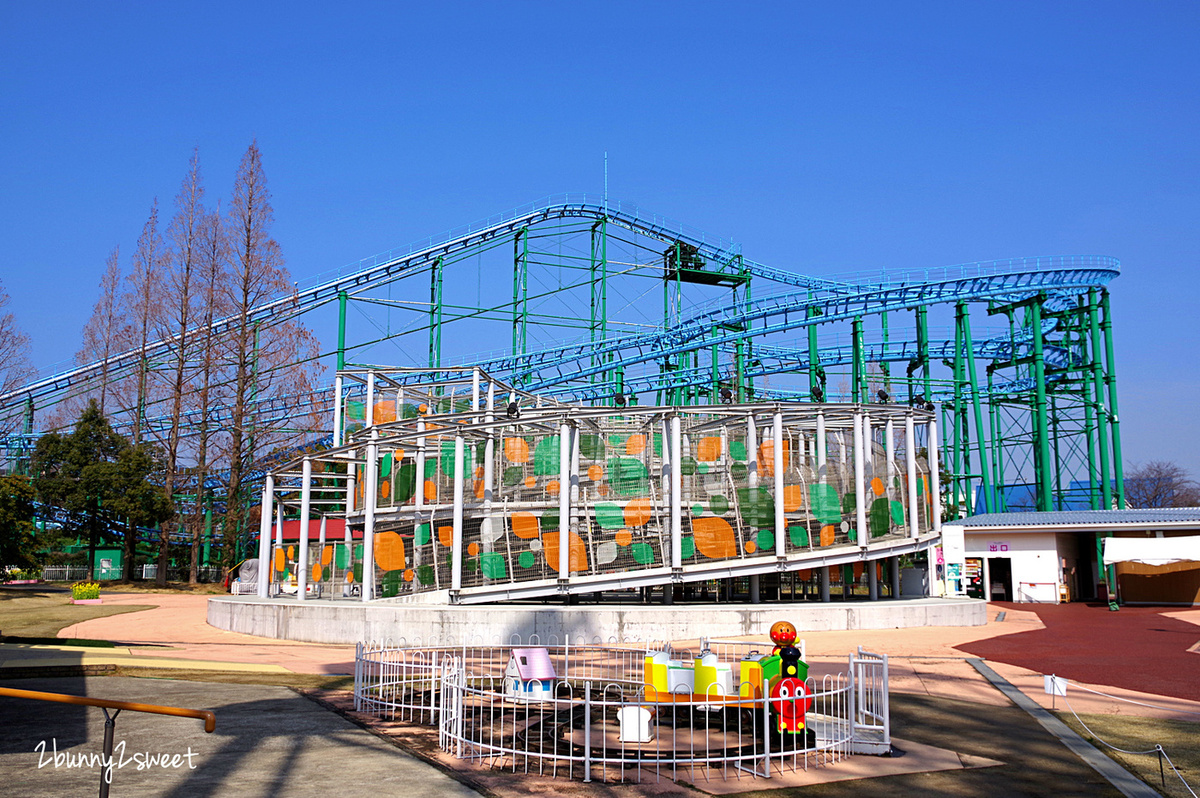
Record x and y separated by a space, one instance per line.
264 536
305 507
676 496
889 452
475 393
910 463
337 410
489 472
935 487
564 504
822 444
370 488
572 488
860 497
778 469
456 542
369 410
872 579
419 492
321 537
751 451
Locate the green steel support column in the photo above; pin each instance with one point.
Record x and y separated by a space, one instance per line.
1102 414
435 314
957 434
884 365
520 290
1057 455
749 346
858 388
1111 363
814 356
599 275
343 298
997 447
207 530
715 393
739 367
1040 438
923 350
944 462
1089 413
989 504
670 365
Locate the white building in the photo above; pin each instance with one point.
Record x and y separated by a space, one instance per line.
1057 556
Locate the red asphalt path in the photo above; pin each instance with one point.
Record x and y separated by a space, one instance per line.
1136 648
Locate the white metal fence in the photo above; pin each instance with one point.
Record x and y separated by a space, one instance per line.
79 573
598 720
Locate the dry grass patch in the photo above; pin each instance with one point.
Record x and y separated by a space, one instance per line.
42 612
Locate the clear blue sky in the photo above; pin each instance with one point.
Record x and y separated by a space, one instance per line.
823 138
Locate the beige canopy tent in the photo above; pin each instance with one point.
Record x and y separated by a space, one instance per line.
1152 551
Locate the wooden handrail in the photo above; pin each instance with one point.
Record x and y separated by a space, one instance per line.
210 720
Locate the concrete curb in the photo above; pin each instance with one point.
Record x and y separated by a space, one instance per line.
350 622
1117 776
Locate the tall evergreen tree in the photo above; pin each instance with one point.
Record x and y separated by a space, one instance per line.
98 479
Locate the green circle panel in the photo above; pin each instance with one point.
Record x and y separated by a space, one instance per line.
642 552
765 539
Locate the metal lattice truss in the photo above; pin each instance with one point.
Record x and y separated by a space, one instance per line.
611 305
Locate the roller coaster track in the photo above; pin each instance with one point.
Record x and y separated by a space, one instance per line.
796 310
859 294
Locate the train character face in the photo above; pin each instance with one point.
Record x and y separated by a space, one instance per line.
783 633
790 701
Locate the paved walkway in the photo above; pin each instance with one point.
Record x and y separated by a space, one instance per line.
925 661
269 741
1136 648
930 669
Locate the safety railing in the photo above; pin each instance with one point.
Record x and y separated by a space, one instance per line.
110 721
586 712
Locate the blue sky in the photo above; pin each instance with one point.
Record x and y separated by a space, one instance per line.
822 138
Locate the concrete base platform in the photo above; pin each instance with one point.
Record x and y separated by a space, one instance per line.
352 622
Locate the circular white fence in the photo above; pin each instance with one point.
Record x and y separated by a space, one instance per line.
585 711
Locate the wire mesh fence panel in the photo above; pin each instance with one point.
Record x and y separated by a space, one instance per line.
594 711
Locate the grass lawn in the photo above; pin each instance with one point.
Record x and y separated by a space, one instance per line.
1177 738
34 615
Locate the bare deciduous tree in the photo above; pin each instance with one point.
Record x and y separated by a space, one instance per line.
104 333
265 361
15 366
182 263
214 251
143 302
1160 483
